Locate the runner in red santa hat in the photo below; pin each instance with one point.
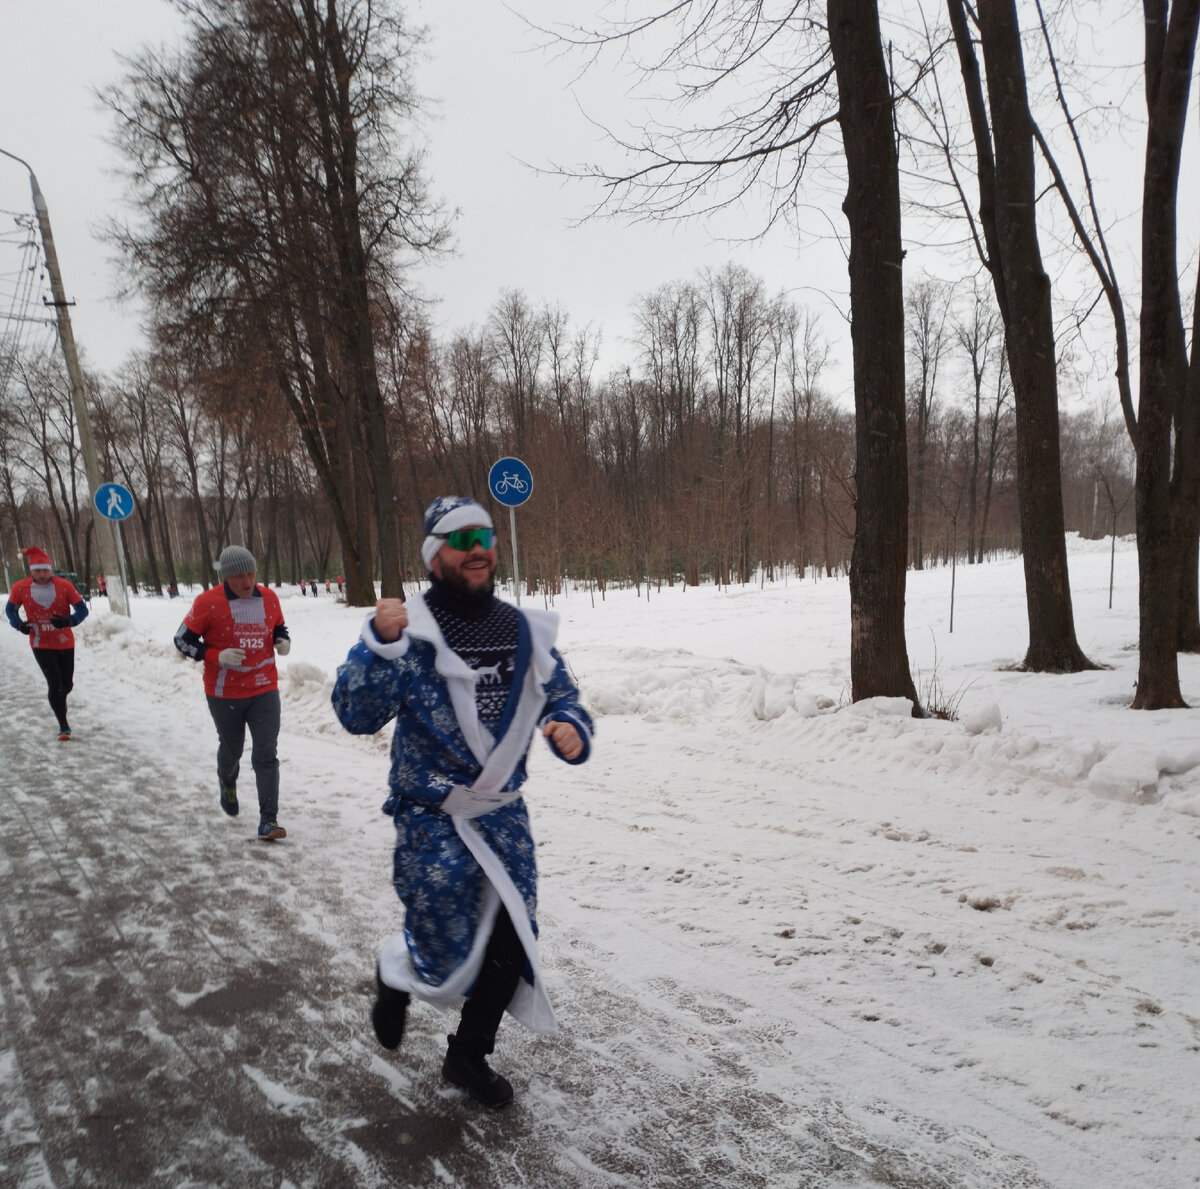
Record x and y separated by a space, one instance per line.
52 608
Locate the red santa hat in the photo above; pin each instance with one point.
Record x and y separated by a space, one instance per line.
36 557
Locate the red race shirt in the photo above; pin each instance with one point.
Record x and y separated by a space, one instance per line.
248 624
38 611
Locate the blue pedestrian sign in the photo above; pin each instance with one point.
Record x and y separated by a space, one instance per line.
113 501
510 481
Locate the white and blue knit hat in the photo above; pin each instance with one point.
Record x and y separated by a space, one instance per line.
444 515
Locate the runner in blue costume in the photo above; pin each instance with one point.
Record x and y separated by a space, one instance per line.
468 679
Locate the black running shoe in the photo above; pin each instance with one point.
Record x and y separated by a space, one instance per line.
479 1079
389 1013
229 801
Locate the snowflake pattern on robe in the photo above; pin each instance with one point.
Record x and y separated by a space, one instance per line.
436 877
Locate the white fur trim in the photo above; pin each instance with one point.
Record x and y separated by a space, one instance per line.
429 550
389 651
543 630
464 516
532 1008
396 969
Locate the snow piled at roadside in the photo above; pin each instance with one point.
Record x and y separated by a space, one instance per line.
974 941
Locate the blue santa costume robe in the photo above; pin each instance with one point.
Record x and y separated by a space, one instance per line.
463 843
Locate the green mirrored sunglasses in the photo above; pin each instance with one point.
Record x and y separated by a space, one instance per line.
465 539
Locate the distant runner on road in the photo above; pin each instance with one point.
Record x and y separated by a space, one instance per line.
52 608
236 629
468 679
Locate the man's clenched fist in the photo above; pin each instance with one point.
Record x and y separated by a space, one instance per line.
390 619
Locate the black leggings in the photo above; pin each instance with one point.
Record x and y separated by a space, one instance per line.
58 667
503 962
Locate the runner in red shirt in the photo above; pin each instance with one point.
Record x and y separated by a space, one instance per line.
236 629
52 608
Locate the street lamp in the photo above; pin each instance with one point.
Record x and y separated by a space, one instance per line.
105 539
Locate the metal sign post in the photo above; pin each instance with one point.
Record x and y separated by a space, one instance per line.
511 483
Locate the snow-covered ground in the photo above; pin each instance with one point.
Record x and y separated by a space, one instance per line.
791 941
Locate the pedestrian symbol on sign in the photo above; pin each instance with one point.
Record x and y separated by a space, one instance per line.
113 501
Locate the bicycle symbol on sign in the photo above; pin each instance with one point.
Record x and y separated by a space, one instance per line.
510 481
514 481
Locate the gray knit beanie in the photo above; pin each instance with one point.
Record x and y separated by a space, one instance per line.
235 560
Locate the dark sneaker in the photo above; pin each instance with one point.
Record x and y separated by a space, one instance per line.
478 1078
269 830
389 1013
228 797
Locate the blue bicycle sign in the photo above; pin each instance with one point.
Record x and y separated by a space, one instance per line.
510 482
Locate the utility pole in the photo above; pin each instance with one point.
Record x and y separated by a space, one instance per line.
105 535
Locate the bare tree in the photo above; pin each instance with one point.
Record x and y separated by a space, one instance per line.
1162 377
878 650
739 330
928 309
762 143
806 357
45 422
669 328
275 204
1004 140
1168 444
518 336
979 335
1186 492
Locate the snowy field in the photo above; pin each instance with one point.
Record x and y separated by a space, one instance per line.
791 941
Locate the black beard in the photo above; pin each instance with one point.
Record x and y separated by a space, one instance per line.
456 596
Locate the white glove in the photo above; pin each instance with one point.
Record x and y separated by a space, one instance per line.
283 646
230 658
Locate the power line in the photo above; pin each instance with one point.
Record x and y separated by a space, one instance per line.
24 290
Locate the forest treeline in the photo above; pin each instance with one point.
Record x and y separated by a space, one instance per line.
718 455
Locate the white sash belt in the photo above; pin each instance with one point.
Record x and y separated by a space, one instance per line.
530 1004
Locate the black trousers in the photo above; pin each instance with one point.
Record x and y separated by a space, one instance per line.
58 667
503 962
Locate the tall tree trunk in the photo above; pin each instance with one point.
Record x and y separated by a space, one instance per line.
340 150
164 537
145 513
1170 49
973 492
1007 210
1187 627
878 651
1029 324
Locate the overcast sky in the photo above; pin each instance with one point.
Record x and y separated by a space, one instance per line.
501 104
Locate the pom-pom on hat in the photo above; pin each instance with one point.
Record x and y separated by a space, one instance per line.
444 515
234 560
36 557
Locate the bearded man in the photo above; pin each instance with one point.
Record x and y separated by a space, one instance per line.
468 679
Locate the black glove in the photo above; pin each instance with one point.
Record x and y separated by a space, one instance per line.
60 621
24 627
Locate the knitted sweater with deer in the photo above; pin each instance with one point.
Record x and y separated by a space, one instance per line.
483 631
